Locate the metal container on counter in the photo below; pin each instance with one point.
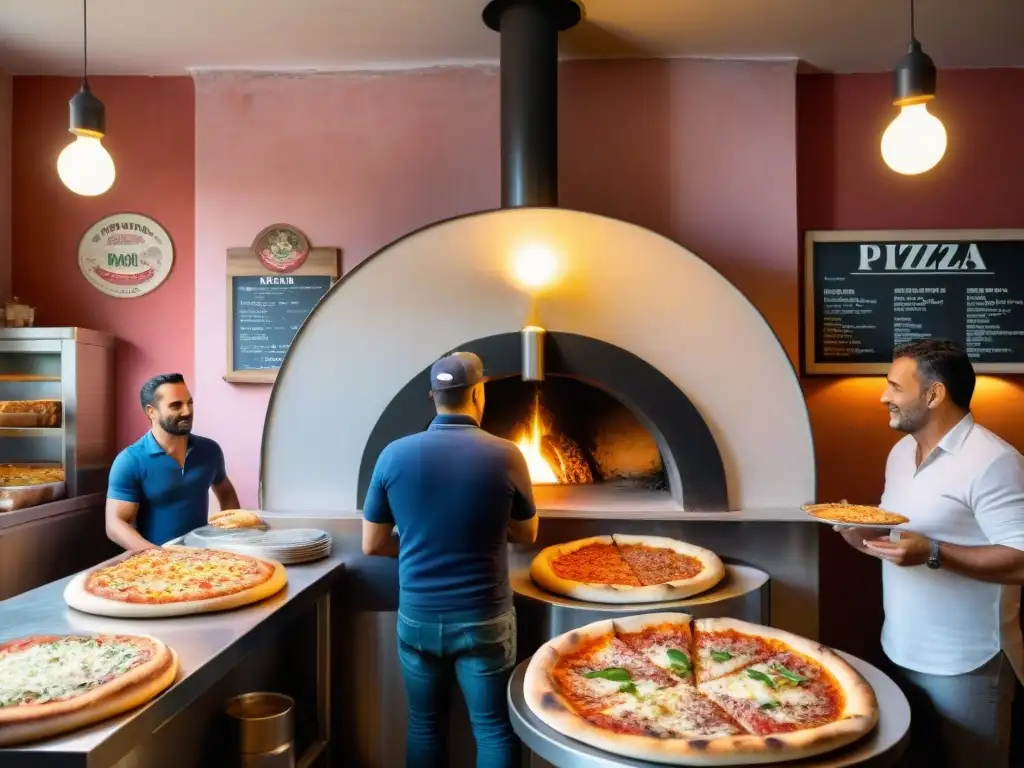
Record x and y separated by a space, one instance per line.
266 729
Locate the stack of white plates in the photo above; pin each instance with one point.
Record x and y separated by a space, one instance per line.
285 545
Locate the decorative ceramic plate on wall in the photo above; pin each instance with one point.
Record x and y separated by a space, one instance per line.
281 247
126 255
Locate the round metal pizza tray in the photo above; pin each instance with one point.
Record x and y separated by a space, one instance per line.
287 545
881 748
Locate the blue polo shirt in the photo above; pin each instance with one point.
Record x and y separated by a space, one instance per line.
451 490
173 499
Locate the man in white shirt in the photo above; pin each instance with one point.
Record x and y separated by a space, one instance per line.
951 584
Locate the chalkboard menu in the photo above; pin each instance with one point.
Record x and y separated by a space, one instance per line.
868 292
268 311
265 310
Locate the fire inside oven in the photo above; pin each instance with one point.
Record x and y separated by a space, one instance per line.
573 433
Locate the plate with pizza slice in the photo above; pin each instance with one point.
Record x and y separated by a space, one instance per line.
849 515
670 689
620 568
52 684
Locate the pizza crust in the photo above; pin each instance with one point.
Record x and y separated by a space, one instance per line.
860 715
129 692
543 574
79 598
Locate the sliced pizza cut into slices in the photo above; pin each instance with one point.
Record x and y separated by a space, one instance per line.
598 671
786 692
663 639
722 646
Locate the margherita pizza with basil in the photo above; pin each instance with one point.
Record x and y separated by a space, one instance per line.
708 692
52 684
172 581
626 569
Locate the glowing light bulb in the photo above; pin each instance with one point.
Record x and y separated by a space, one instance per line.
915 141
86 167
536 266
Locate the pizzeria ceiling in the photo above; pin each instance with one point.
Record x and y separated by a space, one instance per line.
160 38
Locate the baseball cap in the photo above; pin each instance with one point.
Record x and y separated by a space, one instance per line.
459 369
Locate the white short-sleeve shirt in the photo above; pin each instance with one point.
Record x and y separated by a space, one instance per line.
969 491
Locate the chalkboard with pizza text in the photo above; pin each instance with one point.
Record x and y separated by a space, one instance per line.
867 292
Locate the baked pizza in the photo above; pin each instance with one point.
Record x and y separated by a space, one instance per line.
173 581
853 514
40 413
51 684
706 692
235 518
626 569
13 475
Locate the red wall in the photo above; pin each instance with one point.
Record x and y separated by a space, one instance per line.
843 184
151 136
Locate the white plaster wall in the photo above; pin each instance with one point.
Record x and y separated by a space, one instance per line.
450 283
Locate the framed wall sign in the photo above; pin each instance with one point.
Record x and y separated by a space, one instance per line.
866 292
126 255
266 307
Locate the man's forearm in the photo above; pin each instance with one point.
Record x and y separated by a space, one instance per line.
124 535
994 563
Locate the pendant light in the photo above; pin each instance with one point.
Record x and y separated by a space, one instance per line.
915 140
84 165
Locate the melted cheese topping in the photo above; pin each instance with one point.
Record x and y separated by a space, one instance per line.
672 713
63 669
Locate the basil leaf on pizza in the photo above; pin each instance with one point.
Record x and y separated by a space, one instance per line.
721 656
761 677
616 674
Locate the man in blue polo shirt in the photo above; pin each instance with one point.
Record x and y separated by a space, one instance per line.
456 495
162 481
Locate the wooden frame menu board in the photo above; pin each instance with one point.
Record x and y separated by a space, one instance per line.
866 292
265 309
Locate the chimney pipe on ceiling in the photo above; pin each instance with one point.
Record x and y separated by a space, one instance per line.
529 96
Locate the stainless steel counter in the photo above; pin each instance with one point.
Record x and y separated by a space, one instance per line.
209 646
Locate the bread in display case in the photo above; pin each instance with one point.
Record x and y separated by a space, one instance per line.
56 414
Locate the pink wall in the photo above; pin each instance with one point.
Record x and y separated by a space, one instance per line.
358 160
150 134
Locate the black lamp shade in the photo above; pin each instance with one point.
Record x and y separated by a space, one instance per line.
913 80
88 116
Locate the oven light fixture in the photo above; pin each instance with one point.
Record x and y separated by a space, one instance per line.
536 266
915 140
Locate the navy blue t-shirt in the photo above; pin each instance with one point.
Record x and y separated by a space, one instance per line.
451 491
173 499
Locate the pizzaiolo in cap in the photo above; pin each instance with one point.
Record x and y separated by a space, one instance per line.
459 369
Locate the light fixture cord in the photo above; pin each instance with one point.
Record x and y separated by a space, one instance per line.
913 35
85 44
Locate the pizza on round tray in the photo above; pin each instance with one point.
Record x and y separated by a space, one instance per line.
843 513
665 688
51 684
174 581
626 569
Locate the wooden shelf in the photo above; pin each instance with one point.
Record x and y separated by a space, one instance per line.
31 431
27 377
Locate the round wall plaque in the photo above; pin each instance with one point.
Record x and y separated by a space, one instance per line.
126 255
281 247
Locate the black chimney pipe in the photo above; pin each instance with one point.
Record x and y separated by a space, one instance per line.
529 96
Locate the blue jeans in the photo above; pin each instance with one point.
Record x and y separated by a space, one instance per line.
481 656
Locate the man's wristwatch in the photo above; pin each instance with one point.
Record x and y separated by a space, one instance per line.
933 554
